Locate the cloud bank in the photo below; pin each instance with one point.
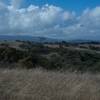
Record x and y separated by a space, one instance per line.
49 20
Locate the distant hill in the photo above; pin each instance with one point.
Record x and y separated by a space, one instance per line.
43 39
27 38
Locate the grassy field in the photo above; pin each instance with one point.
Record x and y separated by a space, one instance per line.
38 84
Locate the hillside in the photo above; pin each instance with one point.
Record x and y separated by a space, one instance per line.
49 71
52 56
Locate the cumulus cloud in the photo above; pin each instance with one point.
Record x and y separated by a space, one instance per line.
35 19
87 26
48 20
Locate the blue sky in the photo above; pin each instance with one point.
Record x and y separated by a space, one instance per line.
73 5
66 19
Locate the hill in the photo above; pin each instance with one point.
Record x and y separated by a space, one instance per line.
56 56
27 38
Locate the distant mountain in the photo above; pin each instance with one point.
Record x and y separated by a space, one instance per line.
84 41
42 39
27 38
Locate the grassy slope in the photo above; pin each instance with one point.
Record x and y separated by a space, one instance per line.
46 85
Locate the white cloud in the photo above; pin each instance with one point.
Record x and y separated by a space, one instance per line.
87 26
35 19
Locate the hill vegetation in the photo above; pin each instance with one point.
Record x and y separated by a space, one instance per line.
50 56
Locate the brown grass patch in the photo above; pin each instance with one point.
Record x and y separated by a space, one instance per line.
46 85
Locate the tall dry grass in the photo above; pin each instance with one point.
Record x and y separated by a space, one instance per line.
46 85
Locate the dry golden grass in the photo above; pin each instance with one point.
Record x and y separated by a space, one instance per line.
46 85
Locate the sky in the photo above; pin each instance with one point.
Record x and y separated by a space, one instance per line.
65 19
72 5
